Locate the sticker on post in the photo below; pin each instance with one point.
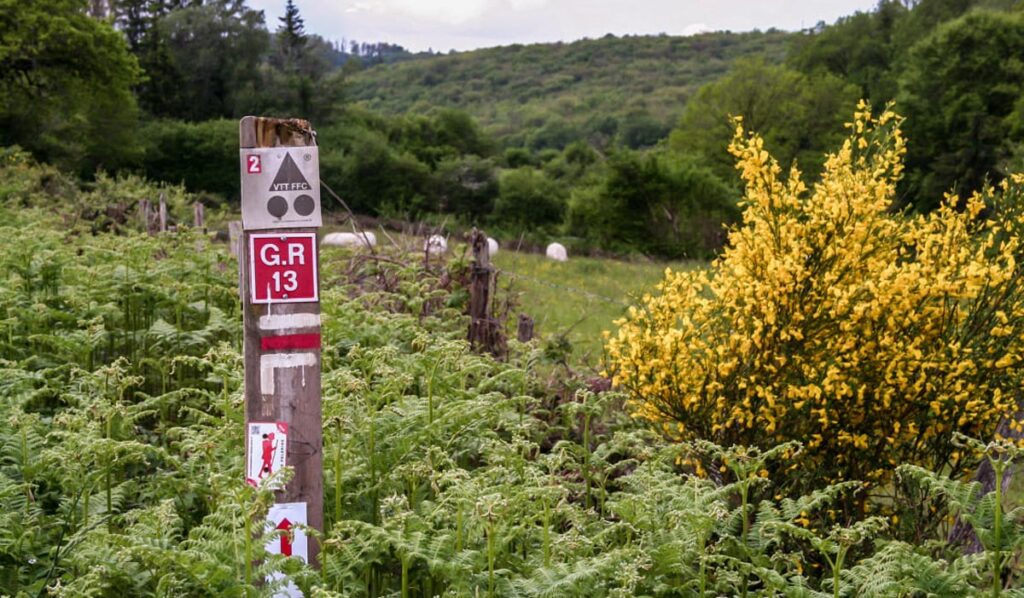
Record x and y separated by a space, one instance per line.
280 187
268 452
282 268
290 540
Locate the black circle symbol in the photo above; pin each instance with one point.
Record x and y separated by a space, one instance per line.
304 205
277 206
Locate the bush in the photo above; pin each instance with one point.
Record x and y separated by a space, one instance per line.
372 176
528 199
662 205
465 186
200 155
872 336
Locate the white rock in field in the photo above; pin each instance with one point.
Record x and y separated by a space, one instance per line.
492 246
365 239
435 244
557 252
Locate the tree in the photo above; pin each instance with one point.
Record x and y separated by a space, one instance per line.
860 49
798 115
214 51
291 34
465 186
961 91
65 85
664 205
528 200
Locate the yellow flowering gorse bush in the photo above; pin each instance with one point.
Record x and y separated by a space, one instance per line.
870 335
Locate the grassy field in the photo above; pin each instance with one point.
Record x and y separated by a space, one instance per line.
579 298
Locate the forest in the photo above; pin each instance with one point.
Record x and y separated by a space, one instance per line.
548 141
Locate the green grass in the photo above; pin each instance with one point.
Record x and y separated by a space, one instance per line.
580 298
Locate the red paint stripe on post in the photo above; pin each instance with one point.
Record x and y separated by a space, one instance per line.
290 341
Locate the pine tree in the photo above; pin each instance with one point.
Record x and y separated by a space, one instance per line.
291 34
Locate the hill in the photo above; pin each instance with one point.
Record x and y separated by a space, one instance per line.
543 95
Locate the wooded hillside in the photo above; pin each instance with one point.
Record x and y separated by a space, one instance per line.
535 94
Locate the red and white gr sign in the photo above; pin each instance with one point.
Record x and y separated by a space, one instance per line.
282 268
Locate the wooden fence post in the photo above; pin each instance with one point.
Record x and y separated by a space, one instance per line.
484 332
163 213
282 347
235 237
144 214
524 332
198 216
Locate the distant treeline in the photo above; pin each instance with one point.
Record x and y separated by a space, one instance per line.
616 143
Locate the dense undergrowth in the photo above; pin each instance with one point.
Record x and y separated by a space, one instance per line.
446 473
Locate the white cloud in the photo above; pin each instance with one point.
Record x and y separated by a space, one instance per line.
467 24
526 4
448 12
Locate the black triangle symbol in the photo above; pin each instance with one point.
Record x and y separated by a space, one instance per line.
289 177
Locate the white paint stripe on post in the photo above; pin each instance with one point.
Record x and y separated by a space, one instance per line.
289 321
275 361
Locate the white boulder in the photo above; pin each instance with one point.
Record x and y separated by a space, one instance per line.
492 246
364 239
435 244
557 252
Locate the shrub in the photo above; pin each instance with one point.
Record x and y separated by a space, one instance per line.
528 199
201 155
870 335
659 204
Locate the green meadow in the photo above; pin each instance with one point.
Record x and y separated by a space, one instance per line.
579 299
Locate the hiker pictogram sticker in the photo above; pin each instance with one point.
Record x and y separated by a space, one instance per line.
268 452
280 187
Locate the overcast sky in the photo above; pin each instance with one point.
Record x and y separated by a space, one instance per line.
467 24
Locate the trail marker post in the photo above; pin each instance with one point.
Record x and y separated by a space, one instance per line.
279 274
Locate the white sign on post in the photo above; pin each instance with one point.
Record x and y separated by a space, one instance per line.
280 187
268 451
287 517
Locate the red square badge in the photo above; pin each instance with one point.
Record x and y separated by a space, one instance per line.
282 268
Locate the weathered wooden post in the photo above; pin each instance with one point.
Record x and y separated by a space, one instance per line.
484 333
524 331
163 213
280 297
235 237
198 216
144 214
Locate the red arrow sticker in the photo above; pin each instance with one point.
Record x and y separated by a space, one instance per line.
286 537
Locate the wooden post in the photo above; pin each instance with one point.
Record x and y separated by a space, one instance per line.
144 214
284 386
484 332
163 213
525 330
198 216
235 237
